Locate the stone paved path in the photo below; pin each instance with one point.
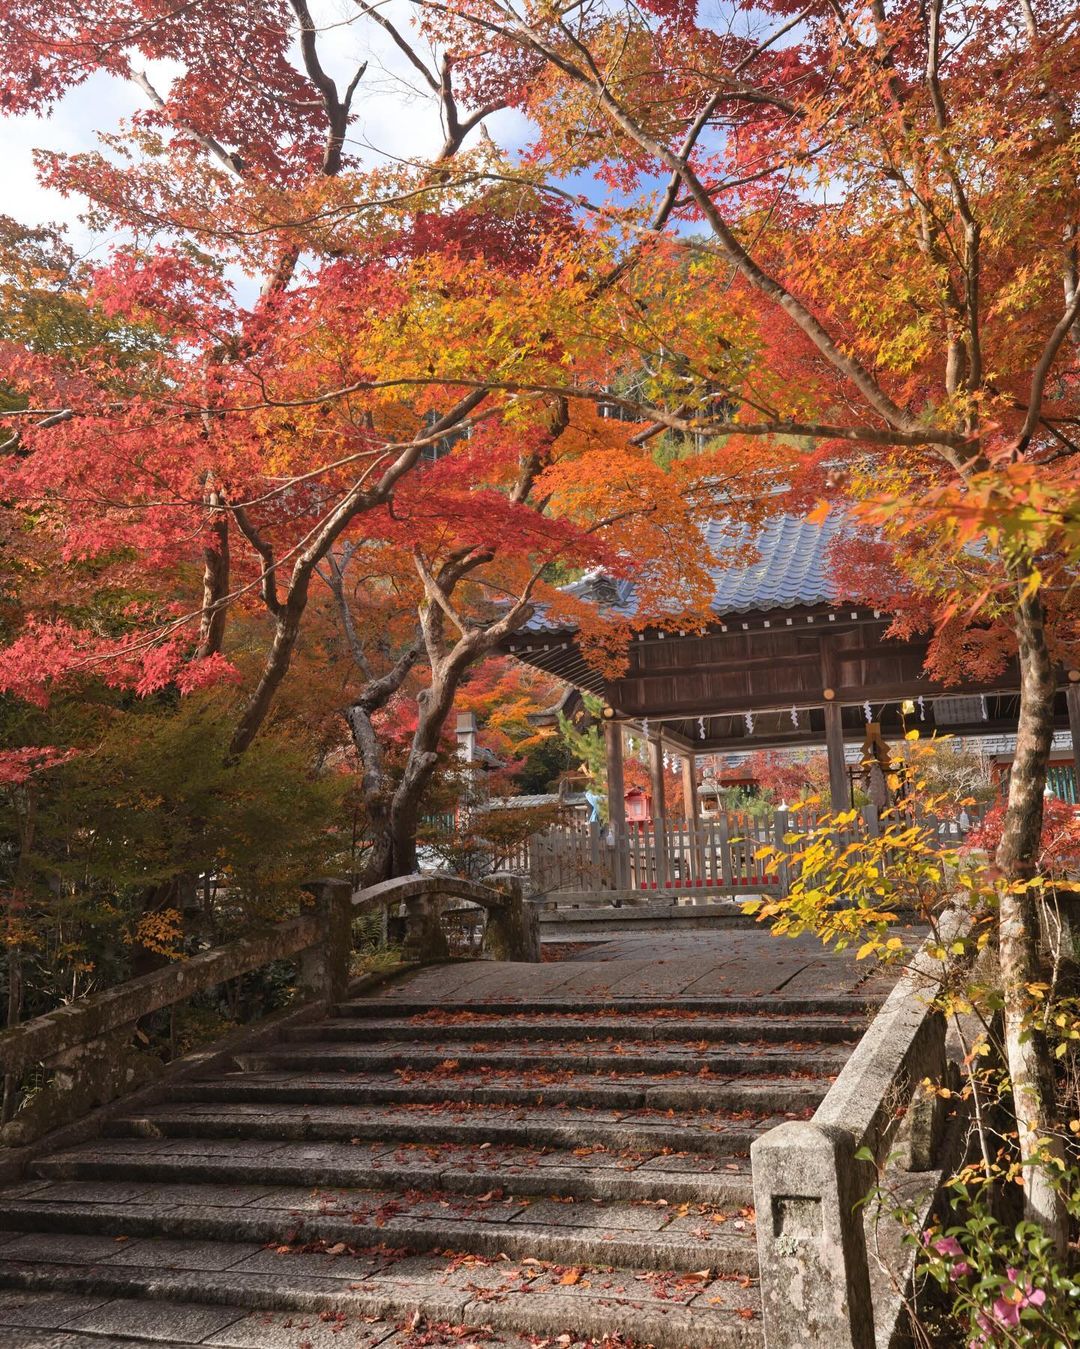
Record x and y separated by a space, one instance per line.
480 1154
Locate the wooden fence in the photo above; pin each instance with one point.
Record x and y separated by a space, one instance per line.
718 854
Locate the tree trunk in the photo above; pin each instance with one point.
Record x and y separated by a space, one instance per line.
1030 1066
373 789
215 585
397 849
286 632
14 1017
434 704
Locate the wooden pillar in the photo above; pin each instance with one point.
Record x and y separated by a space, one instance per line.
689 787
839 787
616 795
1072 699
656 777
659 806
693 816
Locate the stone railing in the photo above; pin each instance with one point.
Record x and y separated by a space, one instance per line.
812 1179
87 1046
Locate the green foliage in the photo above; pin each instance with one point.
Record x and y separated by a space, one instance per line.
1001 1281
149 839
157 798
739 801
542 766
587 747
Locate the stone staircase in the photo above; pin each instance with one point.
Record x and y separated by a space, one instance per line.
440 1162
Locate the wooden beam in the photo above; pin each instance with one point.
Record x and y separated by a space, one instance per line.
616 792
656 774
622 694
730 665
692 811
659 805
839 788
689 783
1072 698
616 778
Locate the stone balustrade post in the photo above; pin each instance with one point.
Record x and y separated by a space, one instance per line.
926 1117
815 1279
424 938
324 968
512 932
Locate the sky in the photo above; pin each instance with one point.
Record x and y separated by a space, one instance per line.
393 119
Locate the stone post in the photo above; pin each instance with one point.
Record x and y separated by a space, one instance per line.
815 1279
324 969
923 1127
424 938
513 932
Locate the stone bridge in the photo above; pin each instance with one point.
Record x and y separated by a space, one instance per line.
489 1152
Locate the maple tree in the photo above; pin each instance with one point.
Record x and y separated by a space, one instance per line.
304 437
788 779
837 244
894 192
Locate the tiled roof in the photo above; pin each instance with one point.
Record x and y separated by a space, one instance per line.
791 569
533 802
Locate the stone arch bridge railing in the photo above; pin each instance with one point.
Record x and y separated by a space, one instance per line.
835 1270
85 1054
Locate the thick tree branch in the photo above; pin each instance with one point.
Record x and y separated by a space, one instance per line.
268 580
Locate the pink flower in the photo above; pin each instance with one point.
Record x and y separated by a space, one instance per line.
948 1246
959 1270
1006 1309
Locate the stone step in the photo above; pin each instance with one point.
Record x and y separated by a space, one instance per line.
735 1029
43 1320
243 1172
392 1003
641 1234
709 1132
245 1289
504 1086
809 1057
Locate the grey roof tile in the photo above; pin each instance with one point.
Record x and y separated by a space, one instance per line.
792 569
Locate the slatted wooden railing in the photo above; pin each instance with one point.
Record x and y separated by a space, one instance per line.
717 853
